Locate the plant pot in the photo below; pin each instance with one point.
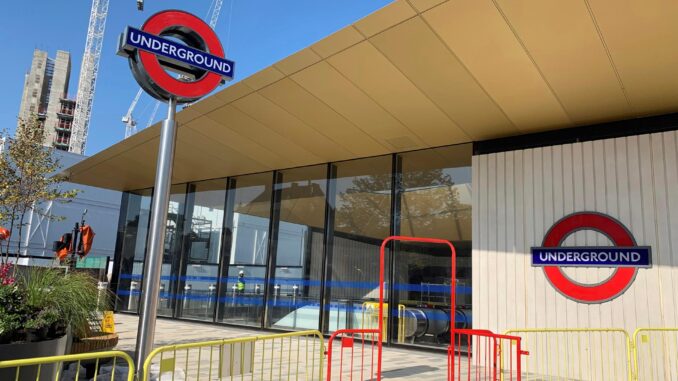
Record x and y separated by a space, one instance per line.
16 351
37 335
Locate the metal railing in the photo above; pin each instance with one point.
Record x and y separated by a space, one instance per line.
581 354
357 355
100 366
285 356
479 354
576 353
370 319
655 353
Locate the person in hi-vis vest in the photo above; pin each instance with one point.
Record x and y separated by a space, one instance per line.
240 285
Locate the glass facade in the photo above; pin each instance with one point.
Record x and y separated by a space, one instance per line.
433 200
296 276
246 254
131 248
361 219
299 248
203 234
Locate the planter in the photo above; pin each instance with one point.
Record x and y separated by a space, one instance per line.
17 351
96 342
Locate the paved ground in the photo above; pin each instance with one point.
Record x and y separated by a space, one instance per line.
398 364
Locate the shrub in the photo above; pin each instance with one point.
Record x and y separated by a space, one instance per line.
43 302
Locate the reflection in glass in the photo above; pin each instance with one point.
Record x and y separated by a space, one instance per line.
202 245
434 201
295 292
242 298
361 221
172 253
432 198
133 249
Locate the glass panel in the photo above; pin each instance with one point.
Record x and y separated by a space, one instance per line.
361 221
295 295
435 201
172 253
242 297
133 249
202 245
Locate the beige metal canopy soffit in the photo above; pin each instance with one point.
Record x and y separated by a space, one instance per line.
417 74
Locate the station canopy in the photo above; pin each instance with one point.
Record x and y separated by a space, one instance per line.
418 74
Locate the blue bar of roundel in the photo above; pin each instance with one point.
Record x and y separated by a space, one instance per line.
131 32
592 256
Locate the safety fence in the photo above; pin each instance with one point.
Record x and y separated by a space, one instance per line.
655 353
99 366
481 355
520 354
576 354
370 319
356 357
276 357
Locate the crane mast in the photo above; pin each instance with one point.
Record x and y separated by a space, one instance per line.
88 75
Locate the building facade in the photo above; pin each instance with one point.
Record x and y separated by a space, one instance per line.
488 124
45 96
305 243
101 208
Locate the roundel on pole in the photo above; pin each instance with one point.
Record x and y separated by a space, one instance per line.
624 256
176 55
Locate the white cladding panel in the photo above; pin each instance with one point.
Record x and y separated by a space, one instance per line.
518 195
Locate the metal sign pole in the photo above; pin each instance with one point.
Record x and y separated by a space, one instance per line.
156 237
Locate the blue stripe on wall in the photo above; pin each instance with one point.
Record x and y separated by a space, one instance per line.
439 289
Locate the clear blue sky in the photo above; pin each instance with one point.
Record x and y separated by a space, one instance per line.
261 32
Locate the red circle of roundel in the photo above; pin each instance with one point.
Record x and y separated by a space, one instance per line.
156 24
606 290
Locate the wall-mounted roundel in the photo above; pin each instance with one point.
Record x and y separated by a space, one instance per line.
180 42
625 257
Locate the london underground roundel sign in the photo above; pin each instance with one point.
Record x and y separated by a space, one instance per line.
179 42
624 256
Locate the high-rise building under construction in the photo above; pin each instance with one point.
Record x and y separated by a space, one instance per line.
45 96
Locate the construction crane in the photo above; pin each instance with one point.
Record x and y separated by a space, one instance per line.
128 119
155 111
88 76
130 123
216 11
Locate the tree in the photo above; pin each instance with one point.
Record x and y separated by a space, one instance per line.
365 205
28 179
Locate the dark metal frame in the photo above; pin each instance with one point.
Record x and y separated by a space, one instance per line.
328 240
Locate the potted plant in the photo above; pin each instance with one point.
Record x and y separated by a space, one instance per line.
38 306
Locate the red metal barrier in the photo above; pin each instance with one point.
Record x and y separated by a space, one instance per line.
361 345
453 274
375 335
480 355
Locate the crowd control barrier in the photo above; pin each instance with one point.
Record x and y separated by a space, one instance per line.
99 366
370 319
356 356
655 353
285 356
477 354
579 354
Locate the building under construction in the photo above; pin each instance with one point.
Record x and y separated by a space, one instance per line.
46 96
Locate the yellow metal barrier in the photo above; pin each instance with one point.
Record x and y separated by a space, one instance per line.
655 352
581 354
371 321
285 356
102 366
